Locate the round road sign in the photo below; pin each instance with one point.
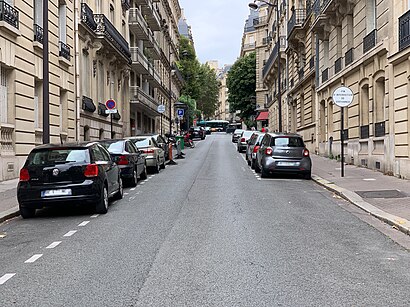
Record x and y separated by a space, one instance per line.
342 96
161 108
110 104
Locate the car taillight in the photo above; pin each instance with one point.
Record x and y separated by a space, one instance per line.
256 148
91 170
122 160
148 151
24 174
243 140
305 152
268 151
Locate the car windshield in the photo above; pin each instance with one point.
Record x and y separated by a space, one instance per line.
247 134
287 142
238 131
58 156
114 147
141 142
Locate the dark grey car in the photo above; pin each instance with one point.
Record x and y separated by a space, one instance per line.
252 148
283 153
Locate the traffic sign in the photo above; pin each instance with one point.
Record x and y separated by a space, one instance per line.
112 111
180 113
343 96
110 104
161 108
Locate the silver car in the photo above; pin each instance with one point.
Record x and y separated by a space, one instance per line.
252 148
154 154
243 140
283 153
236 134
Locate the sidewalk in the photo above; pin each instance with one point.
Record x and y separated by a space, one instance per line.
8 199
385 197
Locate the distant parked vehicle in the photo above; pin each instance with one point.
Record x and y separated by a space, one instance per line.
197 132
283 153
236 135
128 158
252 148
208 130
163 143
154 154
232 127
59 175
243 140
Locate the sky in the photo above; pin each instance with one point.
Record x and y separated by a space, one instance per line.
217 28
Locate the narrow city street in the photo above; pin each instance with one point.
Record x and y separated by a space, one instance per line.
206 232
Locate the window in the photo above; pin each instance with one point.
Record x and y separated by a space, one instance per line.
3 95
38 13
100 82
287 142
62 22
379 103
86 133
370 15
63 110
85 74
96 153
112 14
364 105
98 6
38 103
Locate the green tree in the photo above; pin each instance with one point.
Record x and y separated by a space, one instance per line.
241 82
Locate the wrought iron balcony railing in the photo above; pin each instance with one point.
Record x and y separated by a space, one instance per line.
87 17
38 34
349 57
274 54
266 40
369 41
106 28
338 65
64 51
325 75
297 19
177 73
404 31
9 14
260 21
126 4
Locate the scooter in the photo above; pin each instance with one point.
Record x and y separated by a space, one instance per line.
188 141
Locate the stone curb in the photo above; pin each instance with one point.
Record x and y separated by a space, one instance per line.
397 222
8 214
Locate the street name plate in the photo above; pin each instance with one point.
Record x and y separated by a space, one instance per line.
161 108
342 96
113 111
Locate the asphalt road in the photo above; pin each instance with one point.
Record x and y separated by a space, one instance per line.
207 232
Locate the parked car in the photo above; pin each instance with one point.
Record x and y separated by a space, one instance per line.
243 140
197 133
283 153
236 134
128 158
252 148
232 127
208 130
151 150
162 141
80 173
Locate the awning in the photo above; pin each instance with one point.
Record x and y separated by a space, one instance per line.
264 115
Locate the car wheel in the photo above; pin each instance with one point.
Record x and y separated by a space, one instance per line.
144 175
163 165
308 176
257 169
157 168
253 164
120 192
134 179
264 173
102 204
247 160
27 213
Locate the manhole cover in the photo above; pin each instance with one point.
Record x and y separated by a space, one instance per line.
381 194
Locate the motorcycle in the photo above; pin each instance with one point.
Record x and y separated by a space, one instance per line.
188 141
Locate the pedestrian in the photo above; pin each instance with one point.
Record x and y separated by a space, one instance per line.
263 130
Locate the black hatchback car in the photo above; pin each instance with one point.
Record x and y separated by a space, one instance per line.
129 159
78 173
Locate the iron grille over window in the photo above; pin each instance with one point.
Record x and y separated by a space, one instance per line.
369 41
9 14
38 34
338 65
349 57
404 31
325 75
379 129
345 134
312 62
64 51
364 132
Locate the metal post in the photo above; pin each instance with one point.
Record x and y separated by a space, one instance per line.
112 132
170 91
342 141
161 123
279 86
46 87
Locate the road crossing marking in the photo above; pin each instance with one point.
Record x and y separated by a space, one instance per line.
33 258
54 244
83 223
94 216
70 233
6 277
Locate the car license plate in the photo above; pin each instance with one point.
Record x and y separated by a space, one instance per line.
285 163
52 193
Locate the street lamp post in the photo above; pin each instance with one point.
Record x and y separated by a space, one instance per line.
46 87
255 6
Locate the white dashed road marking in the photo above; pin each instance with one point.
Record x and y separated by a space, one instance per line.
6 277
133 189
369 179
33 258
83 223
70 233
94 216
126 193
54 244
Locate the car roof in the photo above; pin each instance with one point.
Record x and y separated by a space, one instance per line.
276 134
81 144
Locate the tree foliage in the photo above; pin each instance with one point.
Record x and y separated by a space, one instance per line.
241 82
201 84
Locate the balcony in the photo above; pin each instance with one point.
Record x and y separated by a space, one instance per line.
279 46
137 24
249 46
38 34
125 4
177 74
325 75
9 14
64 51
151 15
260 21
338 65
349 57
139 61
105 29
88 104
87 17
369 41
153 46
141 99
266 40
404 31
296 20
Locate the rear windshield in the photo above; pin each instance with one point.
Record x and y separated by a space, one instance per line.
58 156
142 142
248 134
237 131
287 142
114 147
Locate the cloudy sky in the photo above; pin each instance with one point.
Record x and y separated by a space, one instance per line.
217 27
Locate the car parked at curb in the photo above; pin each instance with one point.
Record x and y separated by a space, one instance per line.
73 173
129 159
236 135
197 133
243 140
283 153
252 148
162 142
151 150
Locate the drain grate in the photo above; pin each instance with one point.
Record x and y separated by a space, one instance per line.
381 194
